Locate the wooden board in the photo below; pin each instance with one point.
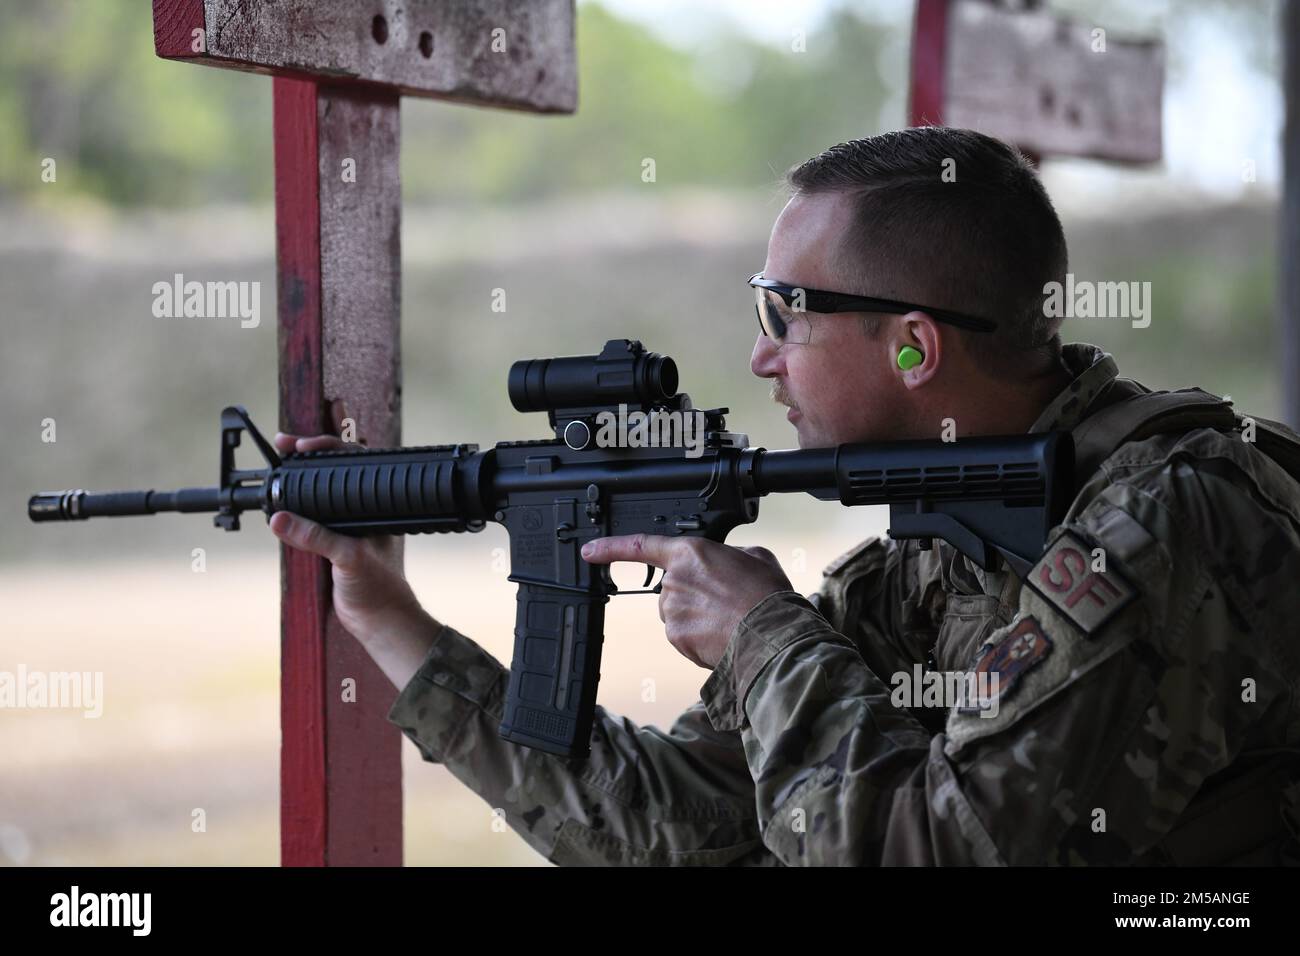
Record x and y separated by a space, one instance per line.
1033 78
434 48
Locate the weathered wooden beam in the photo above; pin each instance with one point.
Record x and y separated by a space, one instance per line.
1038 80
338 214
500 53
361 267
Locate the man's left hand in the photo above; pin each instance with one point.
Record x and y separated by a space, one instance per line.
707 587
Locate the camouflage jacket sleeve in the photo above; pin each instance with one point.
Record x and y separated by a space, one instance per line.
679 797
645 796
885 597
1120 690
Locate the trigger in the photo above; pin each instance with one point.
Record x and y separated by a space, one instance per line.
650 572
607 579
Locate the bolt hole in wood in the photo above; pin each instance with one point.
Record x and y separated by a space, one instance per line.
426 44
379 29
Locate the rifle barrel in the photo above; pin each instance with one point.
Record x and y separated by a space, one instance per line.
78 505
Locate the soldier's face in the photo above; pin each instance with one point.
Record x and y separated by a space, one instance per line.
838 385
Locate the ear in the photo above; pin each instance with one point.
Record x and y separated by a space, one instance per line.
922 333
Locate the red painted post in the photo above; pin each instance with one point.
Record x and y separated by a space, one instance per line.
304 587
340 763
929 49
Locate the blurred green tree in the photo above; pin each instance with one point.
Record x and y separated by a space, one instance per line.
80 83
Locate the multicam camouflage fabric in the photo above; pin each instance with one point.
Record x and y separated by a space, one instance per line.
1148 676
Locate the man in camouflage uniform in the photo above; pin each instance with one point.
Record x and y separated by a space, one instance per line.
1145 703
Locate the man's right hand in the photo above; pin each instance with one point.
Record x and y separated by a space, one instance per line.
371 594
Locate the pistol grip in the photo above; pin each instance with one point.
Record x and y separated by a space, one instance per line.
551 698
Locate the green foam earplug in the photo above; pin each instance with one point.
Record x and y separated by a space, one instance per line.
909 357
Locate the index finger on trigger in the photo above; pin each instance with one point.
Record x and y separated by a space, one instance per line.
651 549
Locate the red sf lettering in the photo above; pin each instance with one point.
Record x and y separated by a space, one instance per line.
1089 587
1061 560
1087 598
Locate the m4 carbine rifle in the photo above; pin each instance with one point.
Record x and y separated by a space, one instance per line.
992 498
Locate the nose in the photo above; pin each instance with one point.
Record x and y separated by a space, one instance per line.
766 360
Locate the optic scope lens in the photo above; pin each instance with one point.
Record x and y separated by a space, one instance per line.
582 381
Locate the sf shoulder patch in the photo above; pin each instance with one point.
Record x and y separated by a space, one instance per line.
1066 579
1004 662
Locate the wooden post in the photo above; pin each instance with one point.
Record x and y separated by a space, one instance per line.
340 69
339 259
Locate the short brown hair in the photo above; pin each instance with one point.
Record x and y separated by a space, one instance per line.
983 239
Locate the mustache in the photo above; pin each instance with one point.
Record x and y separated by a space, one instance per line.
781 395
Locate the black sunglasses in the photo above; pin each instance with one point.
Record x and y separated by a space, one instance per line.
778 328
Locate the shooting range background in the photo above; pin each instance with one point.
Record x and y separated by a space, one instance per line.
163 169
